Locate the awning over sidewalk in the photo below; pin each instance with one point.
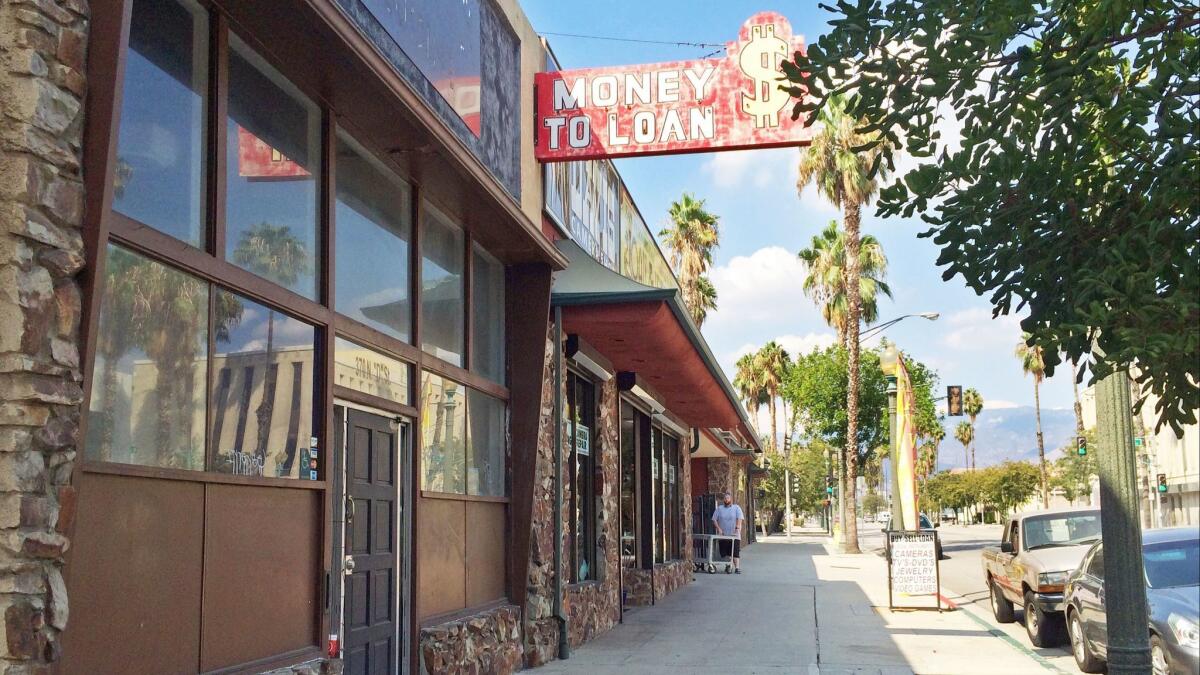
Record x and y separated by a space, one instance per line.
647 330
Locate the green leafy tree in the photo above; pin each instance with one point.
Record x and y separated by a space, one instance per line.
1008 485
1071 192
842 171
826 279
972 405
1073 473
1033 363
873 503
691 237
807 467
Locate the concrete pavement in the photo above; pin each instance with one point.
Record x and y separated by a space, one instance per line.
797 608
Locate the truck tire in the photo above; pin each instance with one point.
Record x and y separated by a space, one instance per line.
1044 629
1080 647
1002 608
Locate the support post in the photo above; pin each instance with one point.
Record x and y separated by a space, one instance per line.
1125 586
787 500
897 521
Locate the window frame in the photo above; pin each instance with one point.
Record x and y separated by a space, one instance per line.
583 500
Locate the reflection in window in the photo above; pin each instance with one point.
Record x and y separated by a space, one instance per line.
443 434
487 313
629 438
147 402
658 484
373 230
274 154
441 286
582 432
262 400
487 446
159 178
368 371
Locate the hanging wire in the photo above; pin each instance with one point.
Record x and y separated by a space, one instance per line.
703 45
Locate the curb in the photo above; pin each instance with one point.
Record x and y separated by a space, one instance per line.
948 603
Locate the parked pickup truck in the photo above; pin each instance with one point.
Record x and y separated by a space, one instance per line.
1037 552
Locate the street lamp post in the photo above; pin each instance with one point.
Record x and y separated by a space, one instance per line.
889 362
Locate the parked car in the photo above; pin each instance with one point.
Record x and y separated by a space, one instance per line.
884 517
1037 552
1172 561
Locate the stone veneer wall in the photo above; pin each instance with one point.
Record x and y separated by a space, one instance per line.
541 628
42 83
487 642
720 475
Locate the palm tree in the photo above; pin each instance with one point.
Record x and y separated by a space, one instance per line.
936 436
691 238
772 362
1032 363
706 301
965 433
972 405
272 252
841 170
825 282
748 382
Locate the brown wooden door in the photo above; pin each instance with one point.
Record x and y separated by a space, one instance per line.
371 605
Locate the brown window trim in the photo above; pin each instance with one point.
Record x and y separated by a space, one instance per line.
367 336
197 476
383 404
456 497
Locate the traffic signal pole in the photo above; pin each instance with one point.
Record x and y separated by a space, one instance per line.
1124 583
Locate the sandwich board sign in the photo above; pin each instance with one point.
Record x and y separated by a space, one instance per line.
914 579
703 105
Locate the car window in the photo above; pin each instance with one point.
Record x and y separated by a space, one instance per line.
1096 565
925 524
1061 529
1173 564
1013 536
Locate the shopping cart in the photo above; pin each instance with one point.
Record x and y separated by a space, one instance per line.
706 553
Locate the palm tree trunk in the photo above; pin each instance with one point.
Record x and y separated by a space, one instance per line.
774 426
972 447
1037 411
850 523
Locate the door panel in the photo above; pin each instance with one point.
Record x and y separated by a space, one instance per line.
372 497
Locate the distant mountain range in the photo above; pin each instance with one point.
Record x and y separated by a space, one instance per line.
1008 434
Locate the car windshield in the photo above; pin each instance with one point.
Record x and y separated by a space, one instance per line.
1061 529
1173 563
925 524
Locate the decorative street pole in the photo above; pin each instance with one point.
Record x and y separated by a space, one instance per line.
888 362
1124 583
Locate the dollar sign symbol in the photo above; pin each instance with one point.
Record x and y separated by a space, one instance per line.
759 60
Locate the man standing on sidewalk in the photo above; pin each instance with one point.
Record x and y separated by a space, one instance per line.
729 519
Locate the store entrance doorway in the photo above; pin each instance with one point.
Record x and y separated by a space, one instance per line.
372 565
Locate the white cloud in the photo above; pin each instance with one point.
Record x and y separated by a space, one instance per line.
1000 404
975 330
763 286
775 167
803 344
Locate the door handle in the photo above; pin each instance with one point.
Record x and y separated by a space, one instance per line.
348 563
349 509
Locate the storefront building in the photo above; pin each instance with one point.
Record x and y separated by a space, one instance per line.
283 354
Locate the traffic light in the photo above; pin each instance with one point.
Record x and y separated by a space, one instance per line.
954 401
1081 445
1162 482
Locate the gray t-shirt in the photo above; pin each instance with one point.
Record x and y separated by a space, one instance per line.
727 517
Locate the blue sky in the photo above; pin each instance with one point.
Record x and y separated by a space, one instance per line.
764 222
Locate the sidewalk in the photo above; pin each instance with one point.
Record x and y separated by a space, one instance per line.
797 608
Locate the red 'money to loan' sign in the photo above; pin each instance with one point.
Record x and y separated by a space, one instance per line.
702 105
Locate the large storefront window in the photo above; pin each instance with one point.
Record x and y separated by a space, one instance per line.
582 432
273 161
160 174
151 377
369 372
262 403
442 302
487 315
374 224
464 446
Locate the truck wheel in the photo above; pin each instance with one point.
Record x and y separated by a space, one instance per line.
1002 609
1084 658
1043 628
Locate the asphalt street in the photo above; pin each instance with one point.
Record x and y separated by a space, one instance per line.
962 576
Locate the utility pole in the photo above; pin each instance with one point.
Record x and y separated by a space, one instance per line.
1124 584
787 500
